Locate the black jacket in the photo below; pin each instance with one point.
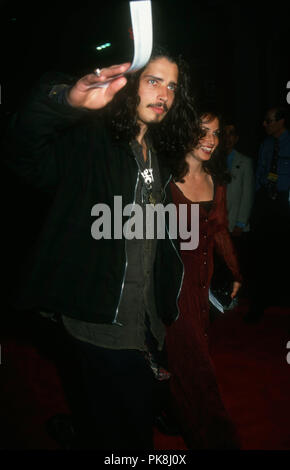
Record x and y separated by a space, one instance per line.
69 152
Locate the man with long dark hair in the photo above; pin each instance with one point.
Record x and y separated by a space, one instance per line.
87 143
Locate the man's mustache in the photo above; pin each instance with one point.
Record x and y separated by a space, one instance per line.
158 105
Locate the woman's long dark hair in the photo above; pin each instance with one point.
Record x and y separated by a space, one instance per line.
216 166
179 130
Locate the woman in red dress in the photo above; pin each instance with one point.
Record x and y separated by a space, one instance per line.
201 414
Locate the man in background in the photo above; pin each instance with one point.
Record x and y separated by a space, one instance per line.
240 195
240 191
270 219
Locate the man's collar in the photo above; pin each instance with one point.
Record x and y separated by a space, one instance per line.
231 154
284 135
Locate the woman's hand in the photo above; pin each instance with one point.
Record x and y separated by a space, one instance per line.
236 287
84 95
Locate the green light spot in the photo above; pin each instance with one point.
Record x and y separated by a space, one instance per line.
103 46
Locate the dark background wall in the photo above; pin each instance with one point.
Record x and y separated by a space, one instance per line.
237 51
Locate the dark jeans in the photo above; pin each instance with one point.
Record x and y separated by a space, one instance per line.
117 408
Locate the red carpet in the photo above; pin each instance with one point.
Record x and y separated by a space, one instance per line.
252 371
254 376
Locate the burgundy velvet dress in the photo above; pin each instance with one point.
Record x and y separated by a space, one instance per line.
196 398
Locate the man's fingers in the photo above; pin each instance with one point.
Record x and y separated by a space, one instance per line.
109 72
114 87
106 73
89 92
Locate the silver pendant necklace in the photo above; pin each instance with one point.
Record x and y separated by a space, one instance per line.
147 174
148 178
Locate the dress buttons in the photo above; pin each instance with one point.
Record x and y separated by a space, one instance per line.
205 235
205 253
206 219
203 286
205 262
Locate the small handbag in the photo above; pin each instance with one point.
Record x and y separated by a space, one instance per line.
221 287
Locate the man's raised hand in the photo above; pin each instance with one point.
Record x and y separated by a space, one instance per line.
84 95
